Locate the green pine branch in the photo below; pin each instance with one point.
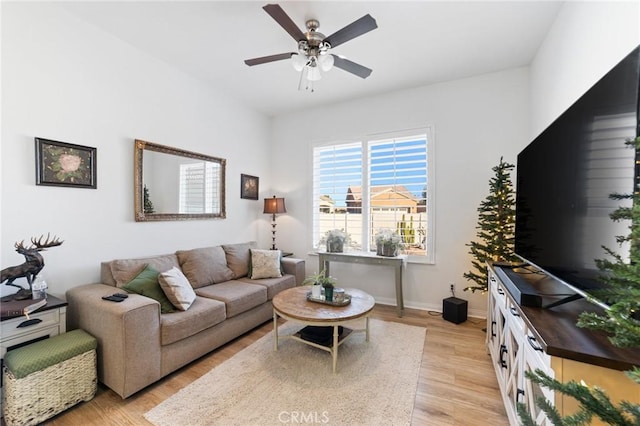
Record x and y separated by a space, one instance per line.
592 400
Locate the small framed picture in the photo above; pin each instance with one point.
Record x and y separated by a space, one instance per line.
65 164
249 187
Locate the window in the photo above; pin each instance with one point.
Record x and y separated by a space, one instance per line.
199 187
380 182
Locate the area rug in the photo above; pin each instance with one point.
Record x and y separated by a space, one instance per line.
375 383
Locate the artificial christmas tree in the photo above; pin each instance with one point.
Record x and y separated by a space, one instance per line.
148 205
496 226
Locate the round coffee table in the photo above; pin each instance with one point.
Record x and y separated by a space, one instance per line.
292 305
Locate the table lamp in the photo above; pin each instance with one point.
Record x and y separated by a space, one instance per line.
274 206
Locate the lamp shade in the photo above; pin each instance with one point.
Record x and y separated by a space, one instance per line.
313 74
326 62
274 205
298 61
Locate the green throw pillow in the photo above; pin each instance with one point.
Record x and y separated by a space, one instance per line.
146 283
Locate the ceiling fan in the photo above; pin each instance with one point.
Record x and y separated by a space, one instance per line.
313 47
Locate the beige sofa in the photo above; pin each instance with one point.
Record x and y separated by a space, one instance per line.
138 345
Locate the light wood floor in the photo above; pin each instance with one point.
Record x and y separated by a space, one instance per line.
457 384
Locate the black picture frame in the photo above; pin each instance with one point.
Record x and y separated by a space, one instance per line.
249 186
65 164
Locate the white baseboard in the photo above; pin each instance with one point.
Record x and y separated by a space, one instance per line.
473 313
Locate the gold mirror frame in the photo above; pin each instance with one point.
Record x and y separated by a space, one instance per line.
140 147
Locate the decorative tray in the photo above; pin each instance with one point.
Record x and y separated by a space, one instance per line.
345 302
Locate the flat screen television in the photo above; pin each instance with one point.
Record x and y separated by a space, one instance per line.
565 176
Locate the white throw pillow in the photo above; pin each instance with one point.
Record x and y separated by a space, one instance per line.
265 264
177 288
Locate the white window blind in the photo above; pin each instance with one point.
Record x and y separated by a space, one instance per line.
337 169
381 182
398 188
200 188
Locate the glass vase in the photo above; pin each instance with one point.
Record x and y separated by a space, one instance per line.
328 294
39 288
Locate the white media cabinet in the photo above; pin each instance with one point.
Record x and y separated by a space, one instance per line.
521 338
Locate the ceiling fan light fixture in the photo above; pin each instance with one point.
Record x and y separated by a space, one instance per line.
313 57
326 62
313 74
298 61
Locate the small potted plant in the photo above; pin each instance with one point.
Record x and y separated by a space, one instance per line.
335 239
387 242
320 280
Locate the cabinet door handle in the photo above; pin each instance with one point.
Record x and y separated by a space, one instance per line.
500 291
535 347
30 322
493 330
514 312
518 393
503 352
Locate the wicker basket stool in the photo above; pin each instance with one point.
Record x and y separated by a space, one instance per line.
45 378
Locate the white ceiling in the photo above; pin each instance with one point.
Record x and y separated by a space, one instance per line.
416 43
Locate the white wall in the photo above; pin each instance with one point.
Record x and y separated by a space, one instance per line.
476 121
65 80
585 42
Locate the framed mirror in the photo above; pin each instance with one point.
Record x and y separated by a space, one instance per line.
174 184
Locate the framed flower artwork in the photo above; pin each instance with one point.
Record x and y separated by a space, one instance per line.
65 164
249 187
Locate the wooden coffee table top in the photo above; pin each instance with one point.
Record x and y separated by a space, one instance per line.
293 303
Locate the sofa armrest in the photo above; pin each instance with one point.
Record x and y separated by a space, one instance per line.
128 335
295 267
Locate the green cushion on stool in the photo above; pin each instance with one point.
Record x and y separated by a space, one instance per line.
45 353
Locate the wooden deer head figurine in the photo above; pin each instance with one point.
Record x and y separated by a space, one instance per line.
31 267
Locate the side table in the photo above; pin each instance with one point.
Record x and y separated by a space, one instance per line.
17 331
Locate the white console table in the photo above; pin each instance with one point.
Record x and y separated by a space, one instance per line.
366 258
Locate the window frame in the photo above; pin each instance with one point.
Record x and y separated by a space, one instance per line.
364 141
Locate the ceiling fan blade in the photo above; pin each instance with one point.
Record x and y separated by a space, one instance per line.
353 30
266 59
350 66
285 21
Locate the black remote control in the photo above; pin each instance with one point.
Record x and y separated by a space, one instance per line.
113 298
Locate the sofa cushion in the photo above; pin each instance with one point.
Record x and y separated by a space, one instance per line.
146 284
238 296
204 266
202 314
238 257
273 285
177 288
124 270
265 264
